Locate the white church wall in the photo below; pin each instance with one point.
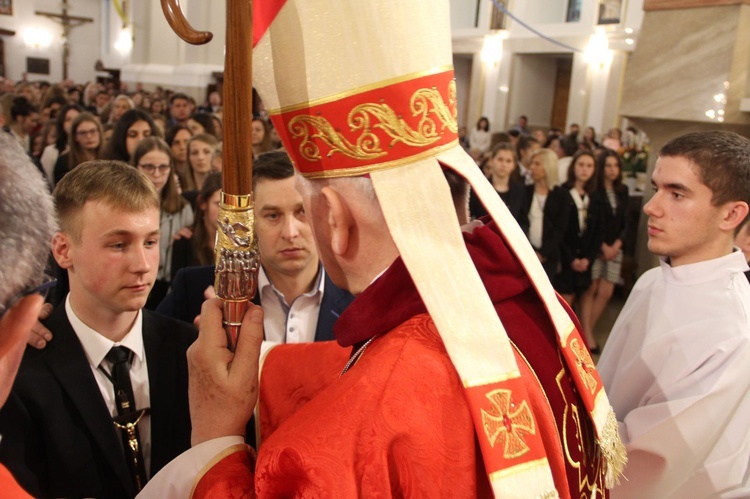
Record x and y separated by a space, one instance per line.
531 90
161 58
32 31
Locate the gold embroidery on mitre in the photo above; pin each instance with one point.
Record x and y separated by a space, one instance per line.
507 422
584 365
424 103
367 146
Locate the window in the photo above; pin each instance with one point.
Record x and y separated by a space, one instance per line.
574 11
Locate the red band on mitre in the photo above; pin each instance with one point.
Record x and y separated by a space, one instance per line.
377 128
263 15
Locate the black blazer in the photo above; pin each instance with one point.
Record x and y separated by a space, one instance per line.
614 222
186 297
58 436
588 243
555 223
514 199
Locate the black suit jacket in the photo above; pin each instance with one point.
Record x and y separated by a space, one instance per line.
514 199
186 297
556 214
614 222
586 244
58 436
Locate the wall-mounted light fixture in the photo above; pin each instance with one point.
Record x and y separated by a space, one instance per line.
36 38
492 50
124 43
598 53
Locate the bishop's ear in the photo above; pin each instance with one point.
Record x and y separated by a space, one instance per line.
340 222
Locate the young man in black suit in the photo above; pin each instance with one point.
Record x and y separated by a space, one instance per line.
104 406
300 301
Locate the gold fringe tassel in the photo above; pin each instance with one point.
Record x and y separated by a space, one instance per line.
613 451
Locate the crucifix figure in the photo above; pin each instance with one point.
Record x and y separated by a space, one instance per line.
67 22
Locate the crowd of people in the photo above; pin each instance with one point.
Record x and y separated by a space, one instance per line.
464 373
163 133
569 197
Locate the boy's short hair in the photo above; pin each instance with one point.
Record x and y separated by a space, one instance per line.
112 182
722 161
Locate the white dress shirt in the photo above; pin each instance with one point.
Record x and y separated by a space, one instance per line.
96 348
290 323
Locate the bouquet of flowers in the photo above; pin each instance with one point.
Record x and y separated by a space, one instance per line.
634 160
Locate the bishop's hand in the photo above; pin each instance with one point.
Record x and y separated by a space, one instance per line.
223 385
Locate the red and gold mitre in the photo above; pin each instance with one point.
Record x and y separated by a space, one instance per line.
366 87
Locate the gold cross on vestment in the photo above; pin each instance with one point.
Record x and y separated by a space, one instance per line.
507 423
584 365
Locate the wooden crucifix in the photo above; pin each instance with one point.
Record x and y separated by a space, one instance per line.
67 22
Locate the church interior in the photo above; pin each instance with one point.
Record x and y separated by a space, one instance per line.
600 64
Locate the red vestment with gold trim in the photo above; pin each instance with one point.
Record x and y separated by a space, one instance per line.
397 423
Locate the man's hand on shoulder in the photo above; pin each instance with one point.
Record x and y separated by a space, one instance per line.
223 385
40 335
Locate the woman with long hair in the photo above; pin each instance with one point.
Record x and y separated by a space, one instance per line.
132 127
582 237
44 138
200 151
199 248
158 106
589 139
84 144
613 197
501 168
201 123
218 126
154 158
65 118
178 138
479 138
261 136
547 208
120 105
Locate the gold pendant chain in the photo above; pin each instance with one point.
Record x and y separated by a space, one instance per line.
355 358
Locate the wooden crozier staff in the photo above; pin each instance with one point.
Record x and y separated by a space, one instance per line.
236 252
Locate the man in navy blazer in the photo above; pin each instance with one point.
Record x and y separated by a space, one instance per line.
185 299
300 302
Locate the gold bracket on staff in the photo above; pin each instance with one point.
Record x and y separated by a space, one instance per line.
237 260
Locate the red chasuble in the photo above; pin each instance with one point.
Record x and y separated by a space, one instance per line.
9 488
397 422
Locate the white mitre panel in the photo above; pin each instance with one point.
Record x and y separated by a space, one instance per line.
325 47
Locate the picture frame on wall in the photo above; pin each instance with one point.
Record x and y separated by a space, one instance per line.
610 11
6 7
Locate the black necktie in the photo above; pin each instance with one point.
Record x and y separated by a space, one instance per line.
128 417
